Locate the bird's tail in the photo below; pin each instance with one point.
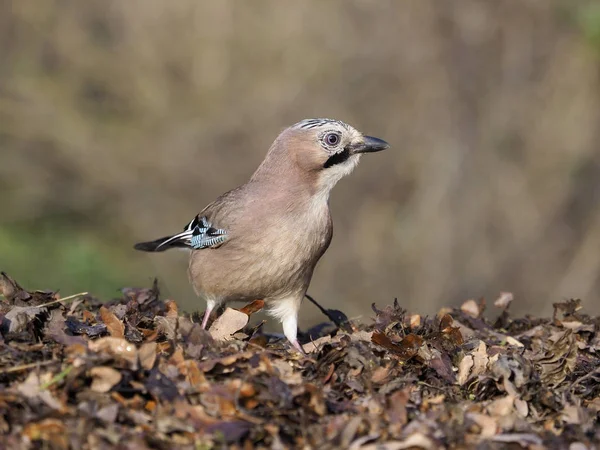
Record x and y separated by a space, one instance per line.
181 240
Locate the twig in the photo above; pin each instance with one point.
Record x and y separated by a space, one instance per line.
70 297
28 366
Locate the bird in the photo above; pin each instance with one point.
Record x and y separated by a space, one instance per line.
263 239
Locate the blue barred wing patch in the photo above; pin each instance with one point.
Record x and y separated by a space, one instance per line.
197 234
203 234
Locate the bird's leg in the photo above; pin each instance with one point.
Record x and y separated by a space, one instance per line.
205 318
290 330
210 305
286 311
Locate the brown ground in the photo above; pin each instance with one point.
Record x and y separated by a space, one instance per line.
135 373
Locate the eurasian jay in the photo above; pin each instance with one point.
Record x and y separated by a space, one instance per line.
262 240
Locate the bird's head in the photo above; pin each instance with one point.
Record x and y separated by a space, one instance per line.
322 150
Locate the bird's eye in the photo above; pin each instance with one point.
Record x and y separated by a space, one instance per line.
332 139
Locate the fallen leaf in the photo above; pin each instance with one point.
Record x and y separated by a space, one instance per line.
172 310
166 326
521 407
488 425
55 329
31 388
504 300
388 315
570 308
232 431
118 348
88 316
523 440
558 358
577 326
104 378
144 296
316 345
405 349
437 400
210 364
450 333
227 324
473 364
11 290
161 386
147 355
114 326
415 321
501 407
512 341
349 431
108 414
19 317
76 327
416 441
446 321
380 374
471 308
253 307
480 359
464 369
52 431
397 410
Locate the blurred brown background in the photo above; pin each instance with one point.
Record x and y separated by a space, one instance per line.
119 120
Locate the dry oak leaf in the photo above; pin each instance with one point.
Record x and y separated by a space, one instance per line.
405 349
559 357
227 324
114 326
473 364
147 355
253 307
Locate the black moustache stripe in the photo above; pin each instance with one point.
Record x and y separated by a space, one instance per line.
338 158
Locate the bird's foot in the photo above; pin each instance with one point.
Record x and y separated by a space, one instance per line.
298 347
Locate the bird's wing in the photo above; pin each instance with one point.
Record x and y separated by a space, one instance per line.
204 230
199 233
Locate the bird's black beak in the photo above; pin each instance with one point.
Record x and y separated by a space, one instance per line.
369 144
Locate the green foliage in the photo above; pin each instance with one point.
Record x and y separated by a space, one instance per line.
53 256
588 18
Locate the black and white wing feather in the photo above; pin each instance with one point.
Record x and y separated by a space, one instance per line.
197 234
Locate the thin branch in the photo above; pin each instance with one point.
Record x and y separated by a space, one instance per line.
32 365
70 297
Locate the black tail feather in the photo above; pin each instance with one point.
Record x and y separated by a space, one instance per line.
157 245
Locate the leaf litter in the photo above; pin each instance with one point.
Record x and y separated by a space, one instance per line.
136 373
